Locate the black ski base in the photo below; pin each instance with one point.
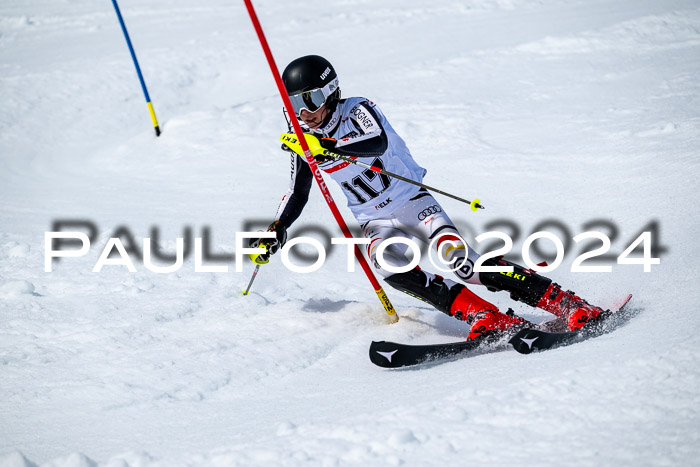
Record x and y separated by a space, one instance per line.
529 340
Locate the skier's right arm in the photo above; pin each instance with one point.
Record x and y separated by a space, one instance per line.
289 210
297 195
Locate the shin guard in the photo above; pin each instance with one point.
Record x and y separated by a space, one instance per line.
524 285
445 295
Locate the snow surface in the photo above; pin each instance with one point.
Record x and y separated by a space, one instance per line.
570 110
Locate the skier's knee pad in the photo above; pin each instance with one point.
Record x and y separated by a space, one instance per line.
465 270
457 254
524 285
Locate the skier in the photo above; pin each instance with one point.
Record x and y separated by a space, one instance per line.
387 208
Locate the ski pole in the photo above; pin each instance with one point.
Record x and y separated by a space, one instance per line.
474 204
383 298
138 69
247 290
289 141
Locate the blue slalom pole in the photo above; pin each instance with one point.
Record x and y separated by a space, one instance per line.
138 69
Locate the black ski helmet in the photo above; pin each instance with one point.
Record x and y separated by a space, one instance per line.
307 74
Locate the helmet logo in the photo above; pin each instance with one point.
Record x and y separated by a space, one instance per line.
325 72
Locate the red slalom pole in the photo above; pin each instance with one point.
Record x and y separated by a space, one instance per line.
383 298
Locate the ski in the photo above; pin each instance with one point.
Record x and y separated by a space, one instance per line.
394 355
529 340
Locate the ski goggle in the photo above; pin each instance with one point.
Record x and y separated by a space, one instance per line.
312 100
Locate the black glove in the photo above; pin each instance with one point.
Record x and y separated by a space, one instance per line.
328 143
272 245
320 158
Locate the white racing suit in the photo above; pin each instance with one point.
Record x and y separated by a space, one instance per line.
387 208
384 207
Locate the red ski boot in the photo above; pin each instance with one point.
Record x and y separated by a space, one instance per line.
575 311
483 316
492 322
453 299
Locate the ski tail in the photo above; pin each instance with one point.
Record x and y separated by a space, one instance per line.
393 355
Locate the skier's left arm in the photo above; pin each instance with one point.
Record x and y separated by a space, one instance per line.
369 138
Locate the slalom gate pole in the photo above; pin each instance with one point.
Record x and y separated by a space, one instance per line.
474 204
383 298
138 69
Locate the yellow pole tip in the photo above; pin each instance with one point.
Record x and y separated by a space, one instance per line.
476 204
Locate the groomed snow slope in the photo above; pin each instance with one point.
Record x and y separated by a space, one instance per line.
568 110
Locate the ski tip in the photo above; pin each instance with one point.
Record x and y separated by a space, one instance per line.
625 302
